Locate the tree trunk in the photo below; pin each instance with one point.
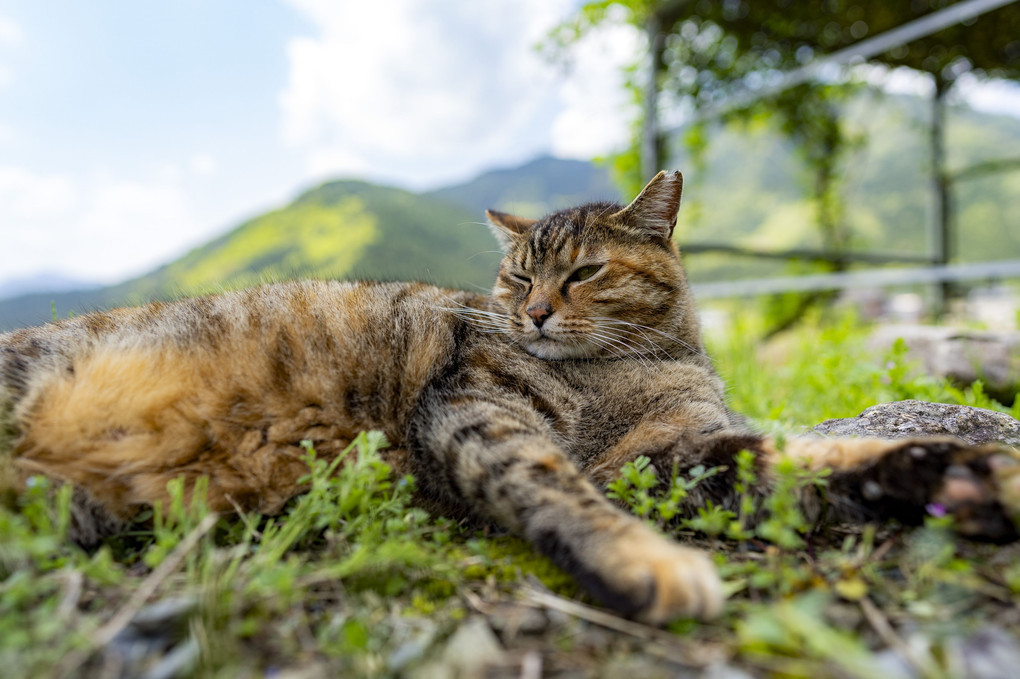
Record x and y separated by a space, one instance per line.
651 138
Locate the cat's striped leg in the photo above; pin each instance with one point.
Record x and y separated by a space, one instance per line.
907 479
500 462
870 478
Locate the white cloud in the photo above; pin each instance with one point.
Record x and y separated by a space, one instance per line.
103 228
203 164
991 96
24 194
988 95
427 90
11 34
597 109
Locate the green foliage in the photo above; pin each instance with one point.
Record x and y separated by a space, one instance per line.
794 638
39 571
634 488
785 523
746 479
354 532
821 371
780 519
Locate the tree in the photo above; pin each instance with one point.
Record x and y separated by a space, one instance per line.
703 52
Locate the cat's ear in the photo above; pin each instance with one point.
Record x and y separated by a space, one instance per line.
654 210
509 229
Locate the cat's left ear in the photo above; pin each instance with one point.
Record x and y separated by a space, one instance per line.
654 210
509 229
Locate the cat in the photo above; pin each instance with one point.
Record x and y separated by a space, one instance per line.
515 408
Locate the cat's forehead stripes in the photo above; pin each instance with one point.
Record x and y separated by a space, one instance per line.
562 235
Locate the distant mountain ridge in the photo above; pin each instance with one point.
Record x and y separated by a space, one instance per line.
347 229
533 189
42 282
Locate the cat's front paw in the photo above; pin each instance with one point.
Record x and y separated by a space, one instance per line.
662 579
979 486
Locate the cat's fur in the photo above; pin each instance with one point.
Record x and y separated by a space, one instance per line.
516 408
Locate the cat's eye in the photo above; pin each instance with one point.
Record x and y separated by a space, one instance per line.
584 273
520 278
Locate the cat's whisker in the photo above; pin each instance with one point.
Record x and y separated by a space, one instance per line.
622 351
640 340
641 349
628 349
612 349
672 338
648 347
485 321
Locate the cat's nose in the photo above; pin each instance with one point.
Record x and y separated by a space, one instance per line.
540 312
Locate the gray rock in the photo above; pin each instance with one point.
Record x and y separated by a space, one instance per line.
905 419
467 653
990 653
958 354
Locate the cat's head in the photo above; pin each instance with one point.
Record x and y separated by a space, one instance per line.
598 280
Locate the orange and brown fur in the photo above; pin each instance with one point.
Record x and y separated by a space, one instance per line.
515 408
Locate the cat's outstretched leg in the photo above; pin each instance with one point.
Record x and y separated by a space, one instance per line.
500 461
870 478
979 486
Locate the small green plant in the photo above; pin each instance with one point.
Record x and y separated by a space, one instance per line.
637 481
785 522
712 520
747 477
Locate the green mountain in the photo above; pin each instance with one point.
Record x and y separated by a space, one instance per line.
533 189
346 229
342 229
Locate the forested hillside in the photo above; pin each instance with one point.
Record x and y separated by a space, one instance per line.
752 189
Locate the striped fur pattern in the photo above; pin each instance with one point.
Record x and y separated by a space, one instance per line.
515 408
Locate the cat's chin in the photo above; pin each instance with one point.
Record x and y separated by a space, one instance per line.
550 349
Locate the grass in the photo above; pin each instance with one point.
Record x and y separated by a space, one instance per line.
353 580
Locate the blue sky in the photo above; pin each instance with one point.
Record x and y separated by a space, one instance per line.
133 131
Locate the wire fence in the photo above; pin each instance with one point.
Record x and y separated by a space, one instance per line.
935 268
872 278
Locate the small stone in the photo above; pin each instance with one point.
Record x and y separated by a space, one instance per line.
989 653
471 648
158 617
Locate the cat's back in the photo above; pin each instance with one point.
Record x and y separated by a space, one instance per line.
226 385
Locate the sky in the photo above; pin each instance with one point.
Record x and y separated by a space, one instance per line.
131 132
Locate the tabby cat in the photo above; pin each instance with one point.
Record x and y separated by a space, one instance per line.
516 408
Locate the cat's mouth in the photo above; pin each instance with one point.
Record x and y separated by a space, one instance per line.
552 349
